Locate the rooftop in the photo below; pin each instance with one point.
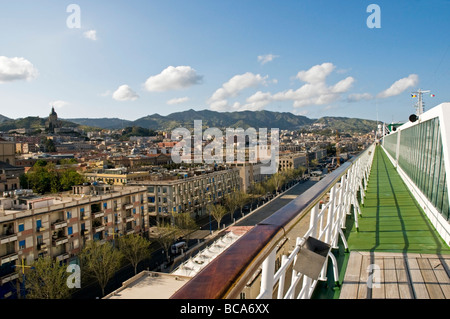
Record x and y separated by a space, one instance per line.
149 285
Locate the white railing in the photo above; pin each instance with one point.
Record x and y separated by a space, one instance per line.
342 197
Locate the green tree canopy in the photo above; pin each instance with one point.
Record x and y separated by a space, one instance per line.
134 248
100 261
47 280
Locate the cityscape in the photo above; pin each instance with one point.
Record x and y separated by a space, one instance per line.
236 163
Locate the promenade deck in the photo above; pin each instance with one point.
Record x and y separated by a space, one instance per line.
396 245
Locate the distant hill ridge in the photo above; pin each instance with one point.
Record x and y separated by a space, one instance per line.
243 119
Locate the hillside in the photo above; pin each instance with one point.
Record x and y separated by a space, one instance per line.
244 119
345 124
106 123
30 122
4 118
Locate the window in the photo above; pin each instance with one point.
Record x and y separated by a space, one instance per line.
69 215
21 227
69 230
81 210
105 205
22 244
38 224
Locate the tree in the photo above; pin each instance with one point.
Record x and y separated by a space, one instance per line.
49 145
217 212
100 261
69 178
47 280
134 248
275 181
231 203
241 199
44 178
186 224
165 235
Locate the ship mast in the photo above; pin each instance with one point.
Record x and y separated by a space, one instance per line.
420 105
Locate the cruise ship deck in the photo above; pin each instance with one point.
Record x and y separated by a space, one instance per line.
395 235
379 227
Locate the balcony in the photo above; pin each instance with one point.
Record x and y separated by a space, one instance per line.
8 238
84 232
60 241
129 218
40 229
8 258
128 206
99 228
84 216
8 278
42 246
129 231
59 224
62 257
98 214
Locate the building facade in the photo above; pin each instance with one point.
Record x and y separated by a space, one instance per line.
33 226
191 194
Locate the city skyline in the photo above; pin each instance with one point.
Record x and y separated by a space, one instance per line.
309 58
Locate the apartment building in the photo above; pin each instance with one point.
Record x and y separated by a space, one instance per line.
116 176
32 226
7 152
191 194
292 160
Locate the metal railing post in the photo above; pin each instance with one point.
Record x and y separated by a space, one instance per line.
268 270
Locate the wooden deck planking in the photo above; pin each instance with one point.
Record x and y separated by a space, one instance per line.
363 289
418 284
390 279
433 288
378 287
400 276
351 282
404 285
441 276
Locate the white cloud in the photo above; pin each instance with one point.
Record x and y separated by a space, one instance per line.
178 100
317 73
91 35
12 69
173 78
125 93
314 92
400 86
59 104
263 59
355 97
218 101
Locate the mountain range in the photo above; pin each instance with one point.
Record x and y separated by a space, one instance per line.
243 119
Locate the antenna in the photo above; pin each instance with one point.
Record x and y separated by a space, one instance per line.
420 104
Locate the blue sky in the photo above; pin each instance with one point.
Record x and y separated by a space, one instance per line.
130 59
